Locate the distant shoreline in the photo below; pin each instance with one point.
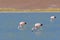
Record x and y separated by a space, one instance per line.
29 10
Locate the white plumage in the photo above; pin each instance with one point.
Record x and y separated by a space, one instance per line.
52 18
21 25
37 26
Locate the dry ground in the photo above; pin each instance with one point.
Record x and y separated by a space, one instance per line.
29 4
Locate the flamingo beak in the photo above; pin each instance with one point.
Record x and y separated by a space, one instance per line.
32 30
25 23
55 17
41 24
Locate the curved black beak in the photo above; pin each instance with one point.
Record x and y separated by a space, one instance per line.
25 23
55 16
41 24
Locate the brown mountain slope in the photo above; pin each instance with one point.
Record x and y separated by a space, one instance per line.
29 4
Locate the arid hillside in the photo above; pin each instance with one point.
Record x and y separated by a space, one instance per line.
29 4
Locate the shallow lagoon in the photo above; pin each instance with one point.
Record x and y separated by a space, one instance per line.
9 23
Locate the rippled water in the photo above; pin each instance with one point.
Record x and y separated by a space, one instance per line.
9 23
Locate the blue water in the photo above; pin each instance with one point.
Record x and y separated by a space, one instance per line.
9 23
